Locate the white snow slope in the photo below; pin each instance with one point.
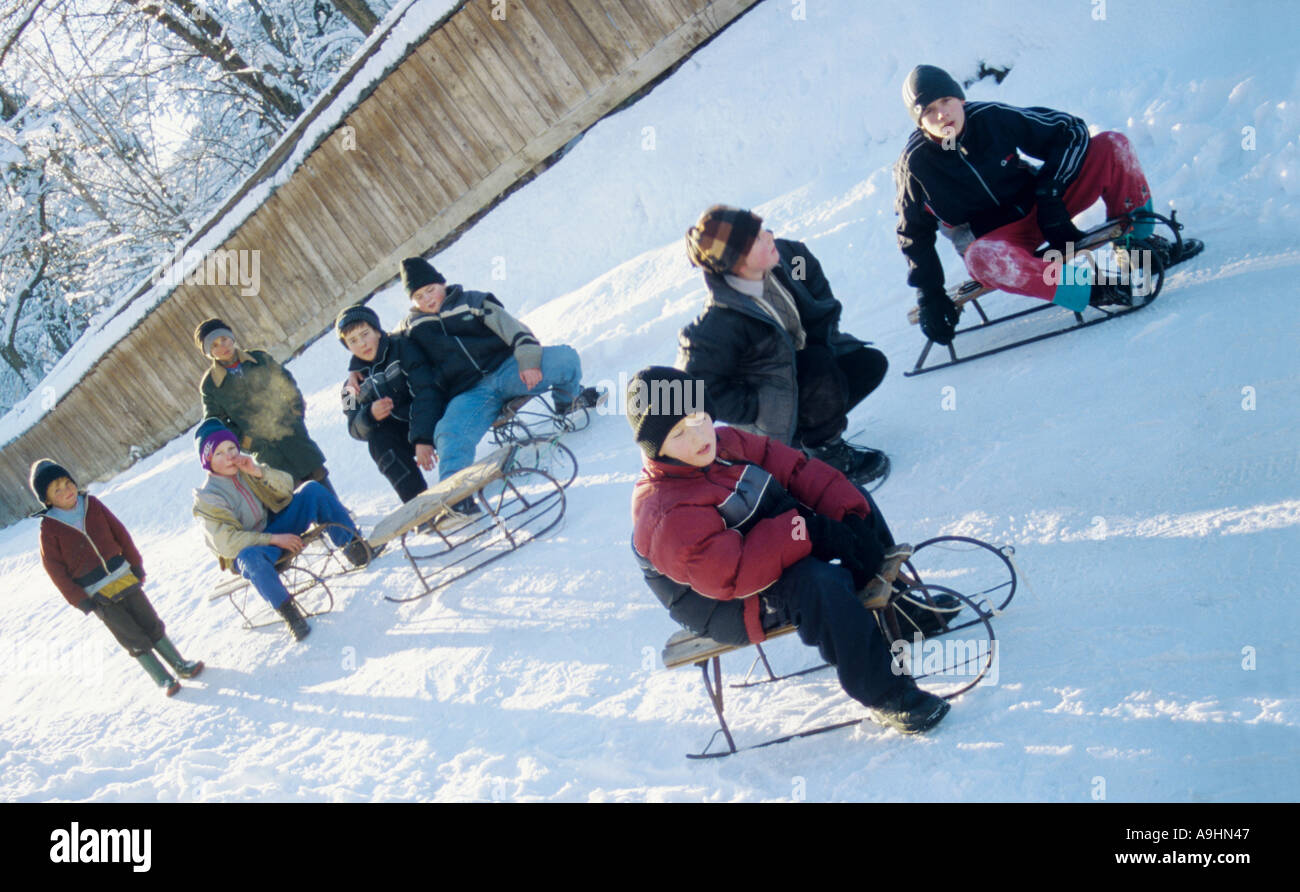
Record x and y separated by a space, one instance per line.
1146 471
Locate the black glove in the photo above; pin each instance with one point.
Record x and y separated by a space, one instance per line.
871 550
87 606
1053 217
830 540
137 572
939 314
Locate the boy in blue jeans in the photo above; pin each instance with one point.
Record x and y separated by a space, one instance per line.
251 515
481 357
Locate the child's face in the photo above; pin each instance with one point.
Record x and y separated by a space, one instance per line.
223 459
761 258
62 493
363 341
944 118
692 440
223 349
429 298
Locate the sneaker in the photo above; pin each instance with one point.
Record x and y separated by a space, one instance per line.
928 621
463 513
358 552
910 710
587 398
859 463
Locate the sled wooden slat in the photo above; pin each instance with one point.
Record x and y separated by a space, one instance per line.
436 499
687 648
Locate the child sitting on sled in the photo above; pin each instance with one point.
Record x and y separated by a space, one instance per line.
961 173
251 514
735 533
481 357
93 562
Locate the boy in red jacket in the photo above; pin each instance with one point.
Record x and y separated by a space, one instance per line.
735 533
90 557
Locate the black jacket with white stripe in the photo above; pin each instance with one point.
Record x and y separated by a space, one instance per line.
980 180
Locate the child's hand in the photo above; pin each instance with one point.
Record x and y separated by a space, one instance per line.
530 377
425 456
381 409
287 541
246 464
353 384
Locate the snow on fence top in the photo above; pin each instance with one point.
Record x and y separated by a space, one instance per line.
441 115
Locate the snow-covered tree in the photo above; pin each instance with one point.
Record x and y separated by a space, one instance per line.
123 123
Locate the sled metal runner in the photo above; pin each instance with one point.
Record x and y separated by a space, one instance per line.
989 574
970 291
986 598
304 572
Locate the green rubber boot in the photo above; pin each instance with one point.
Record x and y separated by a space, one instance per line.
184 668
158 673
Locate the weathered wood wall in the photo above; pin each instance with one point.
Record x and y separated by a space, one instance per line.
486 97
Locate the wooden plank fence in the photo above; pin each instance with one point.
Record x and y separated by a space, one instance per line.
477 107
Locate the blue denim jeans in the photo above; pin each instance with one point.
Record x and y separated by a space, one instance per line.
470 415
312 503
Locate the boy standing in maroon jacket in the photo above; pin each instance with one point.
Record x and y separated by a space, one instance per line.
90 557
735 533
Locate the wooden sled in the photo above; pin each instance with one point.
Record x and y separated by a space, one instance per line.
1145 283
305 576
900 590
518 503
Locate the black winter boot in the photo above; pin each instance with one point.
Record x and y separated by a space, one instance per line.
909 709
859 463
293 616
358 552
587 398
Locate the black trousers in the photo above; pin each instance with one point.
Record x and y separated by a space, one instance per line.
132 620
394 455
830 386
819 600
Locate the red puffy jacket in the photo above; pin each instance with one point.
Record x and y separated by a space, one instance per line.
677 525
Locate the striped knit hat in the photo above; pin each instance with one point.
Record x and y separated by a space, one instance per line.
722 238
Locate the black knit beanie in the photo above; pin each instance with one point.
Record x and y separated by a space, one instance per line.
207 327
353 314
418 272
924 85
657 398
44 472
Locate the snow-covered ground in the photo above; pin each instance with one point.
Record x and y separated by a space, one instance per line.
1146 471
